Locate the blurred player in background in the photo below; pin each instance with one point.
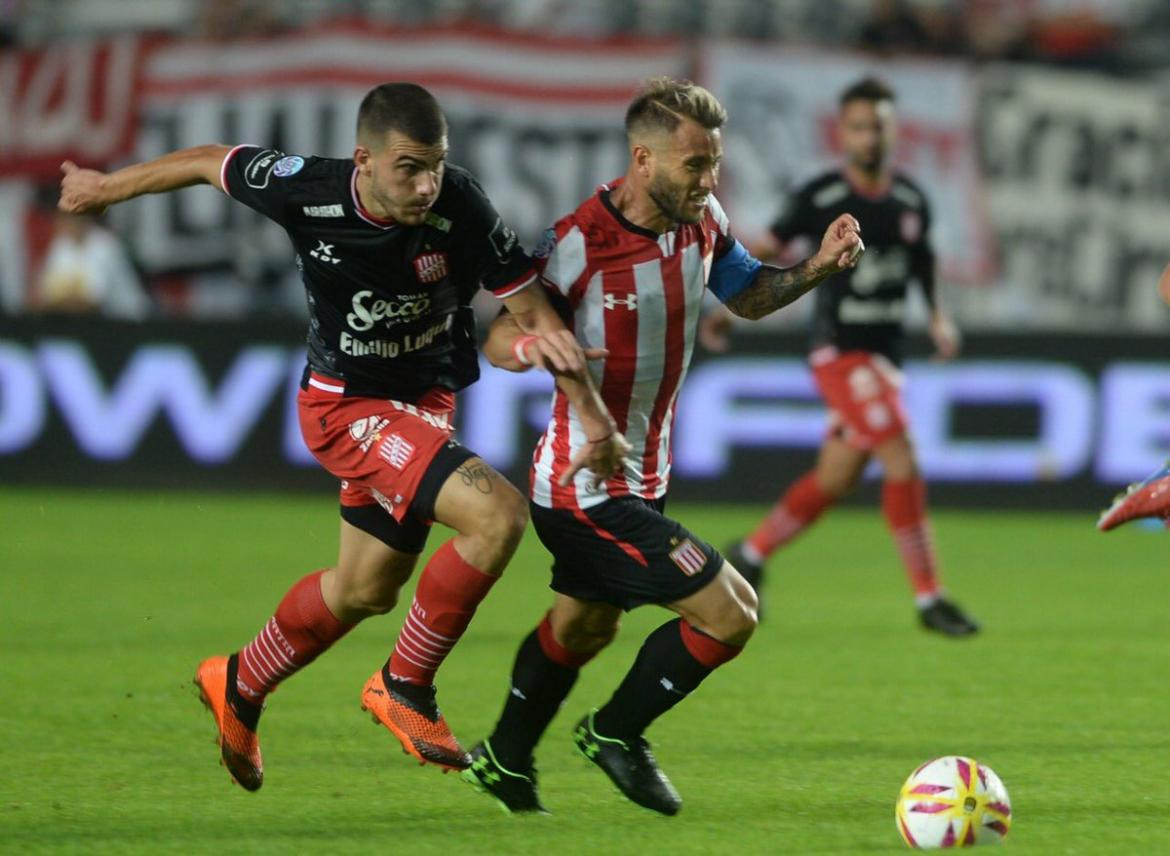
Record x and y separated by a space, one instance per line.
857 348
629 268
392 246
1151 496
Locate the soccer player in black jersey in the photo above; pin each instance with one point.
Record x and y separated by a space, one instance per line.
856 349
392 246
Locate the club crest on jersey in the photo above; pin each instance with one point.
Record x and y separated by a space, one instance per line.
689 558
430 267
910 225
630 301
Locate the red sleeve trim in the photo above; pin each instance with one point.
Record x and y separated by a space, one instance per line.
515 286
223 167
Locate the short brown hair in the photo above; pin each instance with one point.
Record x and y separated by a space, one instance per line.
663 102
867 89
403 107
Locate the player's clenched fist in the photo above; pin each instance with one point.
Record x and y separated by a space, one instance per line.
81 190
842 246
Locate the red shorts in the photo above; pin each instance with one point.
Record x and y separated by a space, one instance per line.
379 448
863 392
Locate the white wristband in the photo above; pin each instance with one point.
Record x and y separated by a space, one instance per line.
519 346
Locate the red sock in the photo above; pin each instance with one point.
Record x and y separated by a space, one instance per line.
797 509
299 632
904 503
448 592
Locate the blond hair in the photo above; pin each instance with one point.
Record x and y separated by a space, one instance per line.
663 102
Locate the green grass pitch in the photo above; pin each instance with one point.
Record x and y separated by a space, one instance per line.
108 600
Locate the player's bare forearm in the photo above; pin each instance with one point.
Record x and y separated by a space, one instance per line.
774 287
86 191
499 347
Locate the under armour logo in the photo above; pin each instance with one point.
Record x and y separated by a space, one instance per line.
324 253
612 301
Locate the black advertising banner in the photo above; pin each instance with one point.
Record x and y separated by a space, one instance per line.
1041 421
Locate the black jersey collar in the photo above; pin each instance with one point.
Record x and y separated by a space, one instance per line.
603 195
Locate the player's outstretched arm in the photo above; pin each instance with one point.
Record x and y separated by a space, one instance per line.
773 287
88 191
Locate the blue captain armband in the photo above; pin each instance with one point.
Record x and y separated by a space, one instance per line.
733 272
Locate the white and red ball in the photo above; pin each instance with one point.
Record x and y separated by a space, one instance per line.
953 802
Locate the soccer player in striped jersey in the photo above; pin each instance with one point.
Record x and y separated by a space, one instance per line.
856 349
392 246
629 269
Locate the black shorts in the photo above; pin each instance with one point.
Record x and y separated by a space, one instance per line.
625 552
410 536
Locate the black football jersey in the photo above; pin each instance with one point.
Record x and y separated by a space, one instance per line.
863 308
389 305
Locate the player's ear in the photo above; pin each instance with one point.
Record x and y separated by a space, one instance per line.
643 158
361 157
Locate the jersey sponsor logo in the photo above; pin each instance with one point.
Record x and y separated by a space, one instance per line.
259 168
910 225
365 315
630 301
391 348
287 166
397 451
854 311
689 558
430 267
502 239
888 267
324 253
324 211
435 221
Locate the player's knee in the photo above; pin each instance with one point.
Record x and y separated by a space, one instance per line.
369 596
497 530
589 639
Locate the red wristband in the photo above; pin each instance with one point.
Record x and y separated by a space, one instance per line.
518 349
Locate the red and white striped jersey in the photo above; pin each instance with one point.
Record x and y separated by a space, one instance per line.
638 295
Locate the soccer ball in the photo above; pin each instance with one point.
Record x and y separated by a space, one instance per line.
953 802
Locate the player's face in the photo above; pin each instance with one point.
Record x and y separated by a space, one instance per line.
405 176
685 171
867 133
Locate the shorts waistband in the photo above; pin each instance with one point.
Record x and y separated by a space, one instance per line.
324 383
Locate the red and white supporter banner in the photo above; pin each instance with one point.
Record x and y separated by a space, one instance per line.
74 99
782 105
538 121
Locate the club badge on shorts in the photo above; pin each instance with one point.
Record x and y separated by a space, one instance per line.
689 558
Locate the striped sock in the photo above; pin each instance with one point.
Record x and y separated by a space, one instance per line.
904 504
798 509
300 631
448 592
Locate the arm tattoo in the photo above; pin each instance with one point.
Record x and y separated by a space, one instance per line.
478 476
773 288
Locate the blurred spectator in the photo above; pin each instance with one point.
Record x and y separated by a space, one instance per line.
86 270
9 19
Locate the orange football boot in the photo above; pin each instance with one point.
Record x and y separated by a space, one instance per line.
239 746
417 723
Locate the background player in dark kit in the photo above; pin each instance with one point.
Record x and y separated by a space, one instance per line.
856 350
392 245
